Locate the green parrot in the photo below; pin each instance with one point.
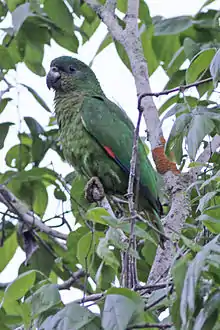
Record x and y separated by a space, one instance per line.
97 135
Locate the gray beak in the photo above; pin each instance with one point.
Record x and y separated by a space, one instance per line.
53 78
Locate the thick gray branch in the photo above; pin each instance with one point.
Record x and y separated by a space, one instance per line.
110 6
173 222
17 207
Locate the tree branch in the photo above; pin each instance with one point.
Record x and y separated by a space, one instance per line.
173 222
129 271
151 326
181 88
74 277
92 297
108 17
17 207
110 6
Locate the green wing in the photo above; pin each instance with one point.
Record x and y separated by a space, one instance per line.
112 128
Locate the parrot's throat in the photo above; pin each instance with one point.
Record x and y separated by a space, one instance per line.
67 106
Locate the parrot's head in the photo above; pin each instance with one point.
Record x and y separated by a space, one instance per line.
67 73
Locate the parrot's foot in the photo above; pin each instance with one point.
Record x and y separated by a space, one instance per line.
94 191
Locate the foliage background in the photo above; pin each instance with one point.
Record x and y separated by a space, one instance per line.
170 45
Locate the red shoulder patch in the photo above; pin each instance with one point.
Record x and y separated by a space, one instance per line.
109 152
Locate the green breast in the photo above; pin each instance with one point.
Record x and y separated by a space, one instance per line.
81 150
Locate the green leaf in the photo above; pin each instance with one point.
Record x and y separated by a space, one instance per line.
3 103
34 126
88 29
59 14
105 42
38 149
72 316
178 108
207 2
144 13
178 271
134 296
6 61
122 5
67 40
175 140
212 224
215 177
19 287
72 241
78 201
3 11
187 305
104 275
33 58
59 194
44 298
8 250
199 127
114 237
177 79
172 25
18 156
168 103
149 54
116 223
199 64
96 214
4 127
37 97
19 15
122 54
106 254
215 67
209 310
35 30
205 200
164 48
86 248
190 244
87 12
191 48
115 306
176 62
12 4
39 198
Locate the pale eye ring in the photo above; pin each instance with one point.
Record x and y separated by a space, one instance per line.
72 69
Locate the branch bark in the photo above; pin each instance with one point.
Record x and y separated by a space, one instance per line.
75 276
17 207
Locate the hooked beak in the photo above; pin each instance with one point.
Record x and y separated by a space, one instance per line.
53 78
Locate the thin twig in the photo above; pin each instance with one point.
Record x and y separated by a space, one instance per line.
155 302
175 89
151 326
74 277
129 272
151 288
92 297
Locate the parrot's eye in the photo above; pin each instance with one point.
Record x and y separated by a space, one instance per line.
71 68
